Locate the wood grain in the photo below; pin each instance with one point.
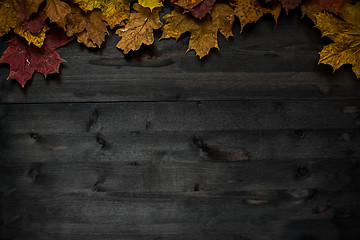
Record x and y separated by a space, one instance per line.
177 116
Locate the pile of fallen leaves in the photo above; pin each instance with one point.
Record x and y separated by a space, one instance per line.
44 25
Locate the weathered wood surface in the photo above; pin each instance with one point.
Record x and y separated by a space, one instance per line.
255 142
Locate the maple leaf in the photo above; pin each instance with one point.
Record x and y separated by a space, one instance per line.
76 21
35 23
139 29
89 28
113 11
203 34
288 4
57 11
33 28
345 33
314 7
32 38
24 59
8 16
151 3
186 4
250 11
202 9
30 6
95 30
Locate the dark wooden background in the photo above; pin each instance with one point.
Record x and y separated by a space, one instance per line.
254 142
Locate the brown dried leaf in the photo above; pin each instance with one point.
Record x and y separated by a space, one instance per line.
57 11
89 28
139 29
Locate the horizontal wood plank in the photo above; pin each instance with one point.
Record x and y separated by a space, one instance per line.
178 116
167 174
212 146
174 216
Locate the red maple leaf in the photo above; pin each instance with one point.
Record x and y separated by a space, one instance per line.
331 5
35 22
202 9
24 59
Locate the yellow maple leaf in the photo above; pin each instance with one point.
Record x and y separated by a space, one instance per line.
203 33
151 3
250 11
36 39
345 33
8 16
139 29
113 11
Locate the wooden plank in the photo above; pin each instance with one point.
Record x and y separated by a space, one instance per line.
170 174
213 146
262 63
178 116
281 214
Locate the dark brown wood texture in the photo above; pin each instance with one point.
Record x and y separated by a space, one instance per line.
254 142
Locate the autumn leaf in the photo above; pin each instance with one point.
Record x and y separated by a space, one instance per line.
151 3
186 4
31 6
89 28
35 23
95 30
89 5
139 29
32 38
313 7
24 59
202 9
288 4
57 11
113 11
33 28
8 16
250 11
345 33
203 34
